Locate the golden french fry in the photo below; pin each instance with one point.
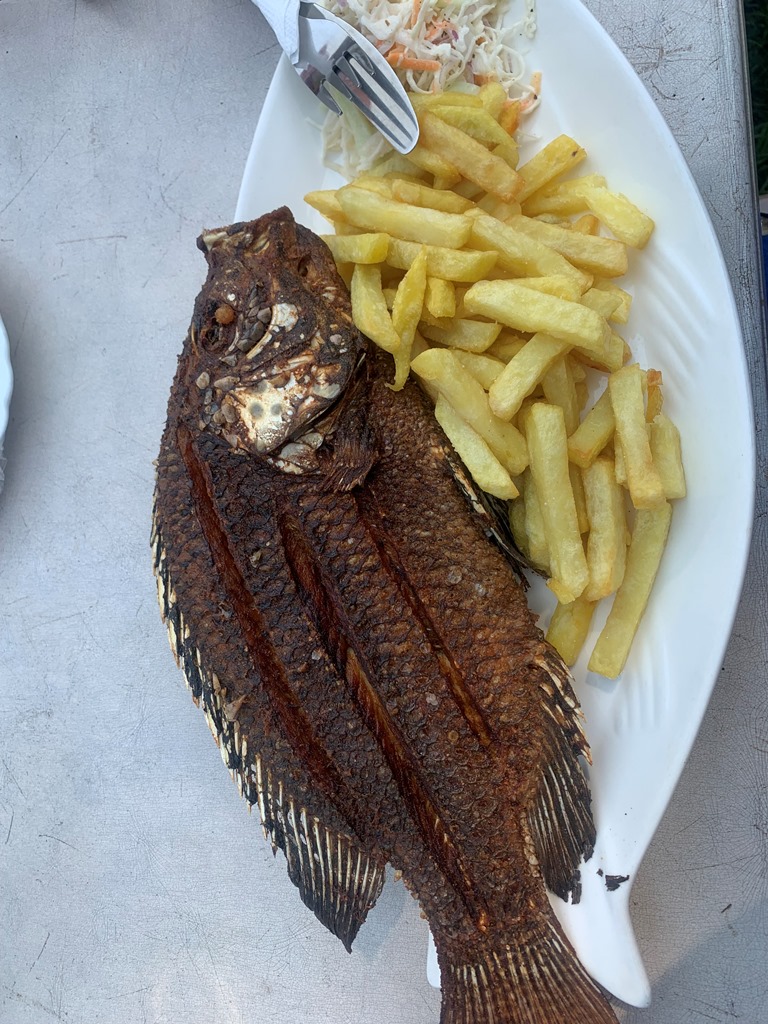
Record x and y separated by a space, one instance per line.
606 257
555 284
607 541
493 96
523 309
522 373
406 312
667 456
476 122
620 315
548 453
563 198
472 335
507 345
593 433
483 466
465 265
643 481
366 248
441 368
560 389
538 549
418 194
470 157
569 626
524 256
654 397
612 358
374 212
579 498
450 98
622 218
587 224
604 303
516 512
440 297
369 308
483 368
649 538
326 202
496 208
558 156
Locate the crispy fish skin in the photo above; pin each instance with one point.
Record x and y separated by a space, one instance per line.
365 658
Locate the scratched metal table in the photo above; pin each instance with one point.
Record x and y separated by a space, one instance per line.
133 885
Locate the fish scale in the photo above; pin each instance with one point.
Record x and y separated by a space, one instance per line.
362 652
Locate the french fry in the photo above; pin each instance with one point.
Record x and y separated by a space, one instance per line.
366 248
587 224
476 122
524 256
579 498
493 96
509 116
369 308
607 541
612 358
649 538
548 453
440 297
604 303
516 513
523 309
465 265
326 202
406 312
654 395
606 257
557 157
470 157
643 481
560 389
472 335
522 373
569 626
564 198
450 98
507 345
622 218
373 212
482 367
667 456
418 194
554 284
485 469
620 315
441 368
538 549
593 433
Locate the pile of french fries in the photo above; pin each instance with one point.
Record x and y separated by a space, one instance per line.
492 283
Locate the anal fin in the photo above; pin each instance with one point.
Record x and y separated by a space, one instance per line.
560 822
336 877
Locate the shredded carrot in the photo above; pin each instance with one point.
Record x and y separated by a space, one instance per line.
399 60
438 27
415 12
483 79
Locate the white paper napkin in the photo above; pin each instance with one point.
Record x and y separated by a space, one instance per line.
283 17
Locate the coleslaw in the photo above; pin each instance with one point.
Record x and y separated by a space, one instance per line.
434 45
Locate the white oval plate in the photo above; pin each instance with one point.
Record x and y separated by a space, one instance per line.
683 322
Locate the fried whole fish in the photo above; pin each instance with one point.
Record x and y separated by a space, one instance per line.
364 655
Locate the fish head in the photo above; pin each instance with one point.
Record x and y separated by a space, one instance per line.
272 345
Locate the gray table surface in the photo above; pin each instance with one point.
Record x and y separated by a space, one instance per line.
133 885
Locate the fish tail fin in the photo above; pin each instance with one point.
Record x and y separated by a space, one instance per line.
538 981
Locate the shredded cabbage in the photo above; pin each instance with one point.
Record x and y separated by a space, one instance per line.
469 41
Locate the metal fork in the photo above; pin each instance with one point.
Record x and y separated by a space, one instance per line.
331 53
